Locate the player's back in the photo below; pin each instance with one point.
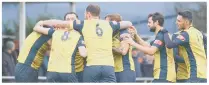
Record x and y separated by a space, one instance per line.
63 51
98 39
33 50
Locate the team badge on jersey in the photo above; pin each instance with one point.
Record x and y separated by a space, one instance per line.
158 42
65 36
99 31
181 37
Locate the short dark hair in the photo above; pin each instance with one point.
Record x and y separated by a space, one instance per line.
114 17
186 15
70 13
157 17
93 9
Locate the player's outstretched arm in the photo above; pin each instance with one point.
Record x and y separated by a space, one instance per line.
124 45
40 29
147 50
138 39
181 39
125 24
117 50
59 23
177 57
168 42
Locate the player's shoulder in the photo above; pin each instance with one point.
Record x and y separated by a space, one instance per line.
160 34
177 32
184 33
78 21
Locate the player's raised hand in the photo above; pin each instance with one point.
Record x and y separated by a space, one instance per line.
132 30
129 40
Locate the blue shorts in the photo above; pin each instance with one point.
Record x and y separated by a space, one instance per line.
160 81
196 80
99 73
25 73
126 76
79 76
61 77
181 80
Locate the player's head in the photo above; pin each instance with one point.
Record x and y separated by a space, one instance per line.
154 20
113 17
92 11
184 18
71 16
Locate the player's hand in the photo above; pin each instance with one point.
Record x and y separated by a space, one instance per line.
132 30
129 40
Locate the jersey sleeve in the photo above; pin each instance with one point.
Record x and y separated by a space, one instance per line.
50 32
176 56
78 27
158 42
182 38
115 25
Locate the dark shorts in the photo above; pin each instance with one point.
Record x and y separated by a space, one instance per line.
61 77
196 80
25 73
99 73
126 76
181 81
160 81
80 76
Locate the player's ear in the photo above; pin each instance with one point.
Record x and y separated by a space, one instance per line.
156 22
187 22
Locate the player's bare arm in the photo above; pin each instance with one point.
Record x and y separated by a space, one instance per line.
82 51
117 50
138 39
40 29
124 45
125 24
147 50
59 23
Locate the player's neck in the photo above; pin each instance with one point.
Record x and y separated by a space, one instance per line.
94 17
158 28
187 27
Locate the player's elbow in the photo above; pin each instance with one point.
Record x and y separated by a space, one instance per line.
83 52
125 24
35 28
129 24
